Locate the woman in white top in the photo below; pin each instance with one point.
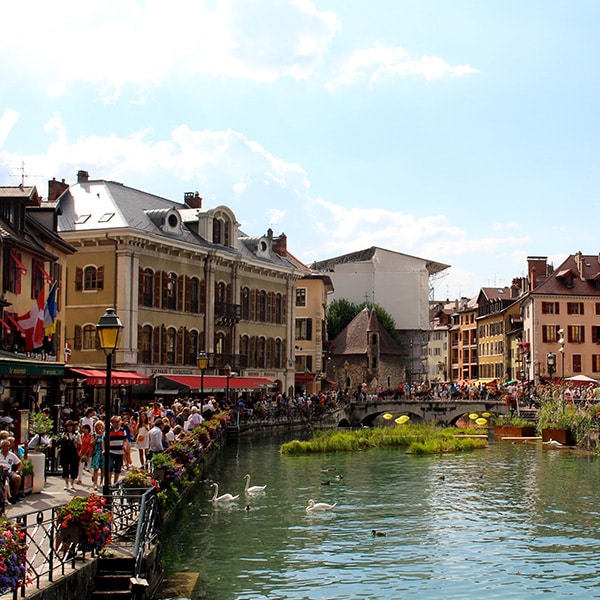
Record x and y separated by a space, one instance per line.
143 428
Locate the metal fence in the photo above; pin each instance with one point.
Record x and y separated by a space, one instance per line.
135 527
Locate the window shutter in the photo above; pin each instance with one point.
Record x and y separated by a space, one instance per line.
283 308
78 279
139 344
269 353
156 345
203 296
141 286
163 345
157 280
188 294
309 329
252 305
100 278
252 352
180 345
181 290
270 307
229 293
77 338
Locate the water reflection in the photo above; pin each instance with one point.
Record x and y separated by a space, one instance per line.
512 521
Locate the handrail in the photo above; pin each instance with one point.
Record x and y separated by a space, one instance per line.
133 509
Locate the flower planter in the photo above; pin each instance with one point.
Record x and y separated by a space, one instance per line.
26 483
563 436
159 474
502 431
39 471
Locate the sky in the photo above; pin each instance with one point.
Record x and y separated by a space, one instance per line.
461 132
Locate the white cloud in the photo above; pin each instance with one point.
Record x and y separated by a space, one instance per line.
378 62
112 44
7 122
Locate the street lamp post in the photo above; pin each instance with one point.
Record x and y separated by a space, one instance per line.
561 342
227 370
202 364
108 329
551 361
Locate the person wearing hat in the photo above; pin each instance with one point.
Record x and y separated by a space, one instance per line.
12 463
68 446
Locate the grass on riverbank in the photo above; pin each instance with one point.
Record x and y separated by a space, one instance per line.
417 439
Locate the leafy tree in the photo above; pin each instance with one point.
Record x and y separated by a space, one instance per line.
341 312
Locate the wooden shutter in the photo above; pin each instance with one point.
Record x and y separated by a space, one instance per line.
252 352
180 346
141 286
156 345
269 353
100 278
203 297
309 329
163 345
165 290
77 336
229 293
188 294
78 279
157 280
252 303
180 292
139 344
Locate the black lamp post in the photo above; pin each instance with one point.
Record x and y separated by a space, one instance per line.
109 329
202 364
561 342
227 370
551 361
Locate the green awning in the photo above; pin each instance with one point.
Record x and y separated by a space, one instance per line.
19 367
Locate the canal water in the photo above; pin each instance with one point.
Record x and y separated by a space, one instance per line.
510 521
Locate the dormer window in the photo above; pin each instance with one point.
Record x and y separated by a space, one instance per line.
221 230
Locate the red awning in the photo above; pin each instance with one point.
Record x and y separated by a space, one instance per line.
299 377
219 382
97 377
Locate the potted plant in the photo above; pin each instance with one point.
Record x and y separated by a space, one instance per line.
13 556
41 426
26 475
512 426
164 468
563 422
84 522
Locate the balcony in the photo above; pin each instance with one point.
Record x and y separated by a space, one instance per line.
227 314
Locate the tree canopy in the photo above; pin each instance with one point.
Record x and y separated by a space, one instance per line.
341 312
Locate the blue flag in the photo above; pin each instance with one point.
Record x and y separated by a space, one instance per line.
51 310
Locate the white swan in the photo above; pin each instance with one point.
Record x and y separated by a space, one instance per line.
319 506
253 489
224 497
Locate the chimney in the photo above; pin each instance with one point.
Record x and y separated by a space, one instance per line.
192 199
279 244
536 268
55 189
579 264
83 176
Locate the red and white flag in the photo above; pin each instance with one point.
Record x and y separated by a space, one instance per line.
32 324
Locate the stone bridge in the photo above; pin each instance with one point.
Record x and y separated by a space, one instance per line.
443 412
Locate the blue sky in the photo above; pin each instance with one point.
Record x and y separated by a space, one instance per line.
464 132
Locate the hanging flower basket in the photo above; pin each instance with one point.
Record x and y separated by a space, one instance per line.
13 555
85 521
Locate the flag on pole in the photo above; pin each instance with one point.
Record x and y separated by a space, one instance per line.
32 323
51 310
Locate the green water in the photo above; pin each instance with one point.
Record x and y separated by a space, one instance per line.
511 521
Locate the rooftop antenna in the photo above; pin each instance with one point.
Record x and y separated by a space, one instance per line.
23 175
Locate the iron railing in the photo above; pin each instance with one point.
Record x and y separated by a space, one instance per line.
135 527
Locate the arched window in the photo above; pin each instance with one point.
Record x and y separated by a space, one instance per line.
217 231
245 304
147 284
278 309
221 292
244 350
147 344
262 306
90 278
172 291
89 337
277 355
191 352
171 345
194 295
